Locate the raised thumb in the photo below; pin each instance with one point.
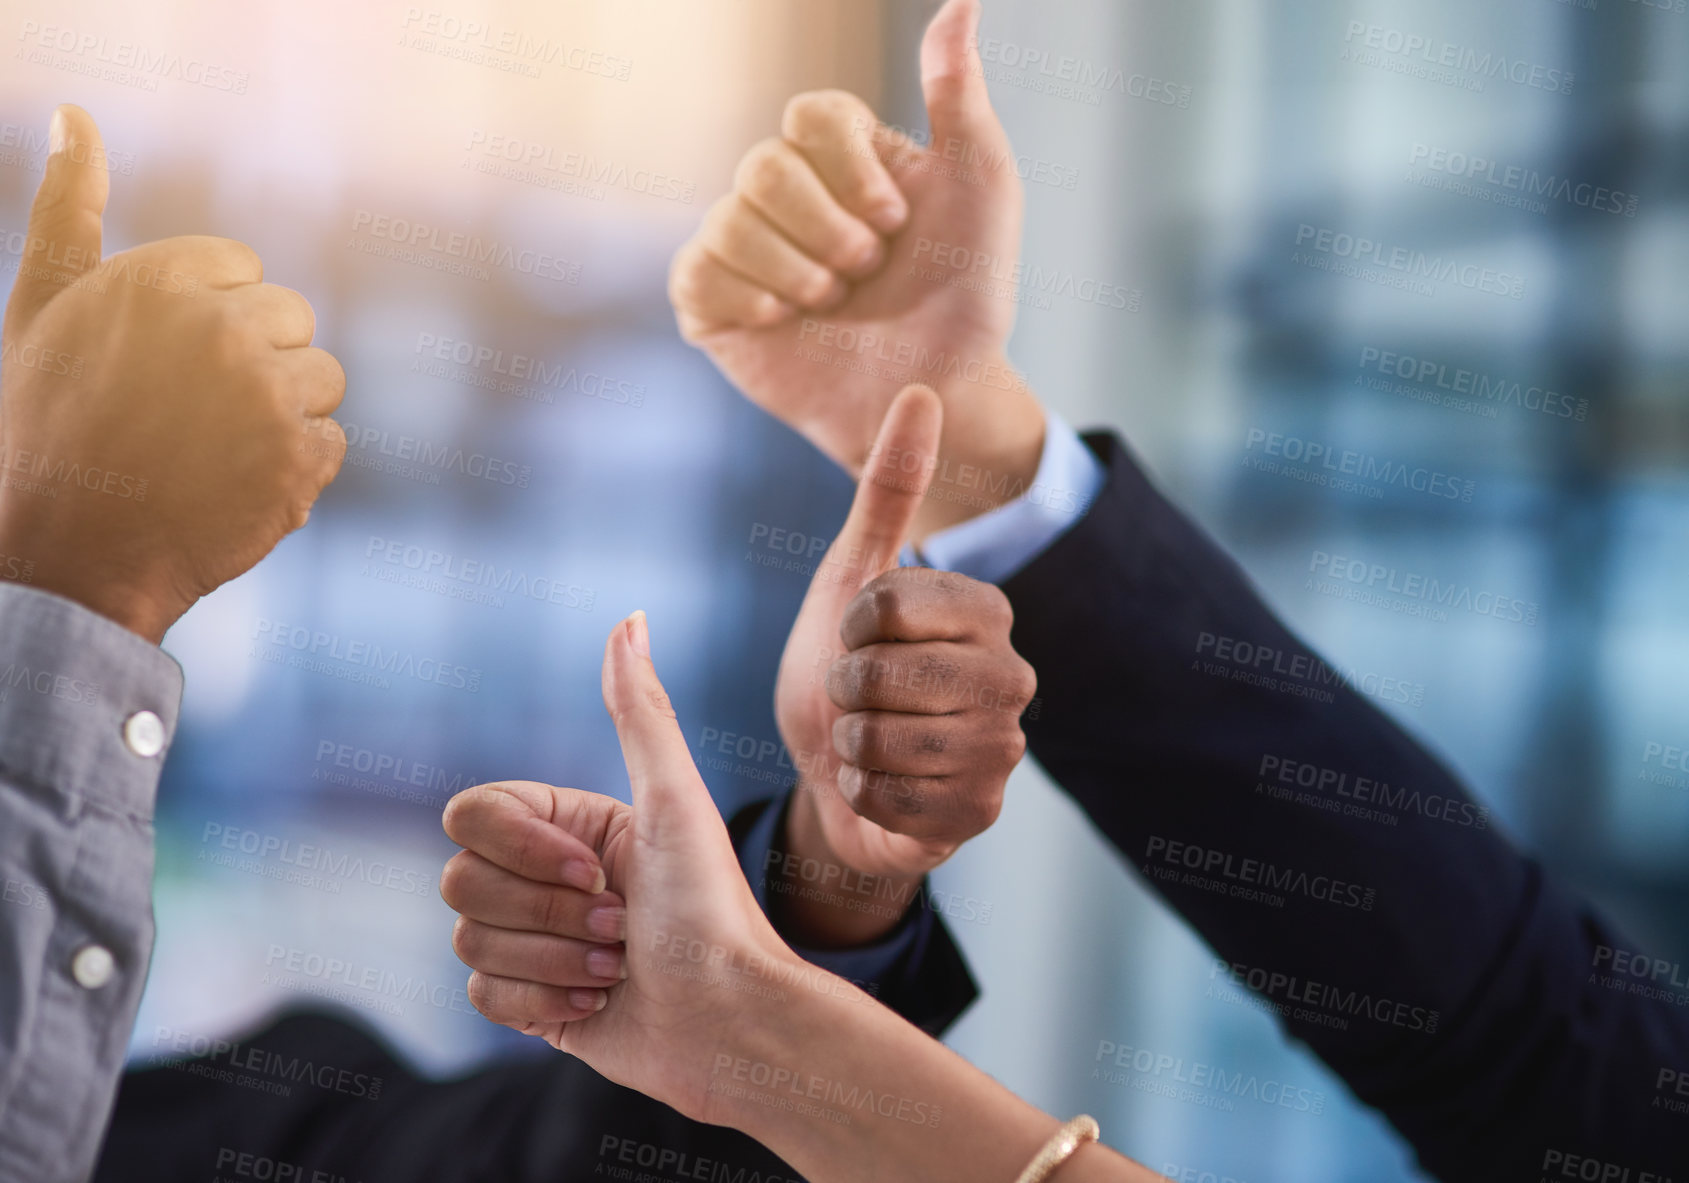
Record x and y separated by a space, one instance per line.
953 78
889 496
64 222
671 803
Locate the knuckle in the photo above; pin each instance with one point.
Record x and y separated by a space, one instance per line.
820 117
840 677
815 285
887 602
1012 747
1026 680
764 173
723 224
333 446
465 939
230 331
980 811
451 880
994 603
870 740
522 847
237 253
481 994
933 743
553 910
686 287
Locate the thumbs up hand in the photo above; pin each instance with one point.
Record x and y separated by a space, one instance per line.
899 697
849 262
700 957
163 423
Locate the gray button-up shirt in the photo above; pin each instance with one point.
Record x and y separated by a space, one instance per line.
87 711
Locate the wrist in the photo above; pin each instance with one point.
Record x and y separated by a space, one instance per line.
816 898
774 1047
992 444
47 563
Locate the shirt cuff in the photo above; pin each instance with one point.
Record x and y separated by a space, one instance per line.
865 965
995 546
76 690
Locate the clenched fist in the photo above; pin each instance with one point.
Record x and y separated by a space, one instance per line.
900 698
825 282
163 423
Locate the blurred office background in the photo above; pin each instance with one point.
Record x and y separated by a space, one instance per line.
1223 156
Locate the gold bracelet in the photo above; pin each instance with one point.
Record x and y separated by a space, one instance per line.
1060 1148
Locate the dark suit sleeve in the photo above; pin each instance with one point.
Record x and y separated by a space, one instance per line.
1334 865
316 1095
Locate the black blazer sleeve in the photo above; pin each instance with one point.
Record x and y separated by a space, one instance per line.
1437 969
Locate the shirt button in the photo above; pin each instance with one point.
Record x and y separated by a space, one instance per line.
143 734
92 966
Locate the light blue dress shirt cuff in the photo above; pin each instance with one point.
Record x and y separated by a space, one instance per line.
69 681
79 766
866 965
996 545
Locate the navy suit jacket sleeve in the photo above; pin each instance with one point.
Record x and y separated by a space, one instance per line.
1337 867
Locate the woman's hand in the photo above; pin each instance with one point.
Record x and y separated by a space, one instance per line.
701 960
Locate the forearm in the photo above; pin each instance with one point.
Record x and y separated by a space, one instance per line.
845 1090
